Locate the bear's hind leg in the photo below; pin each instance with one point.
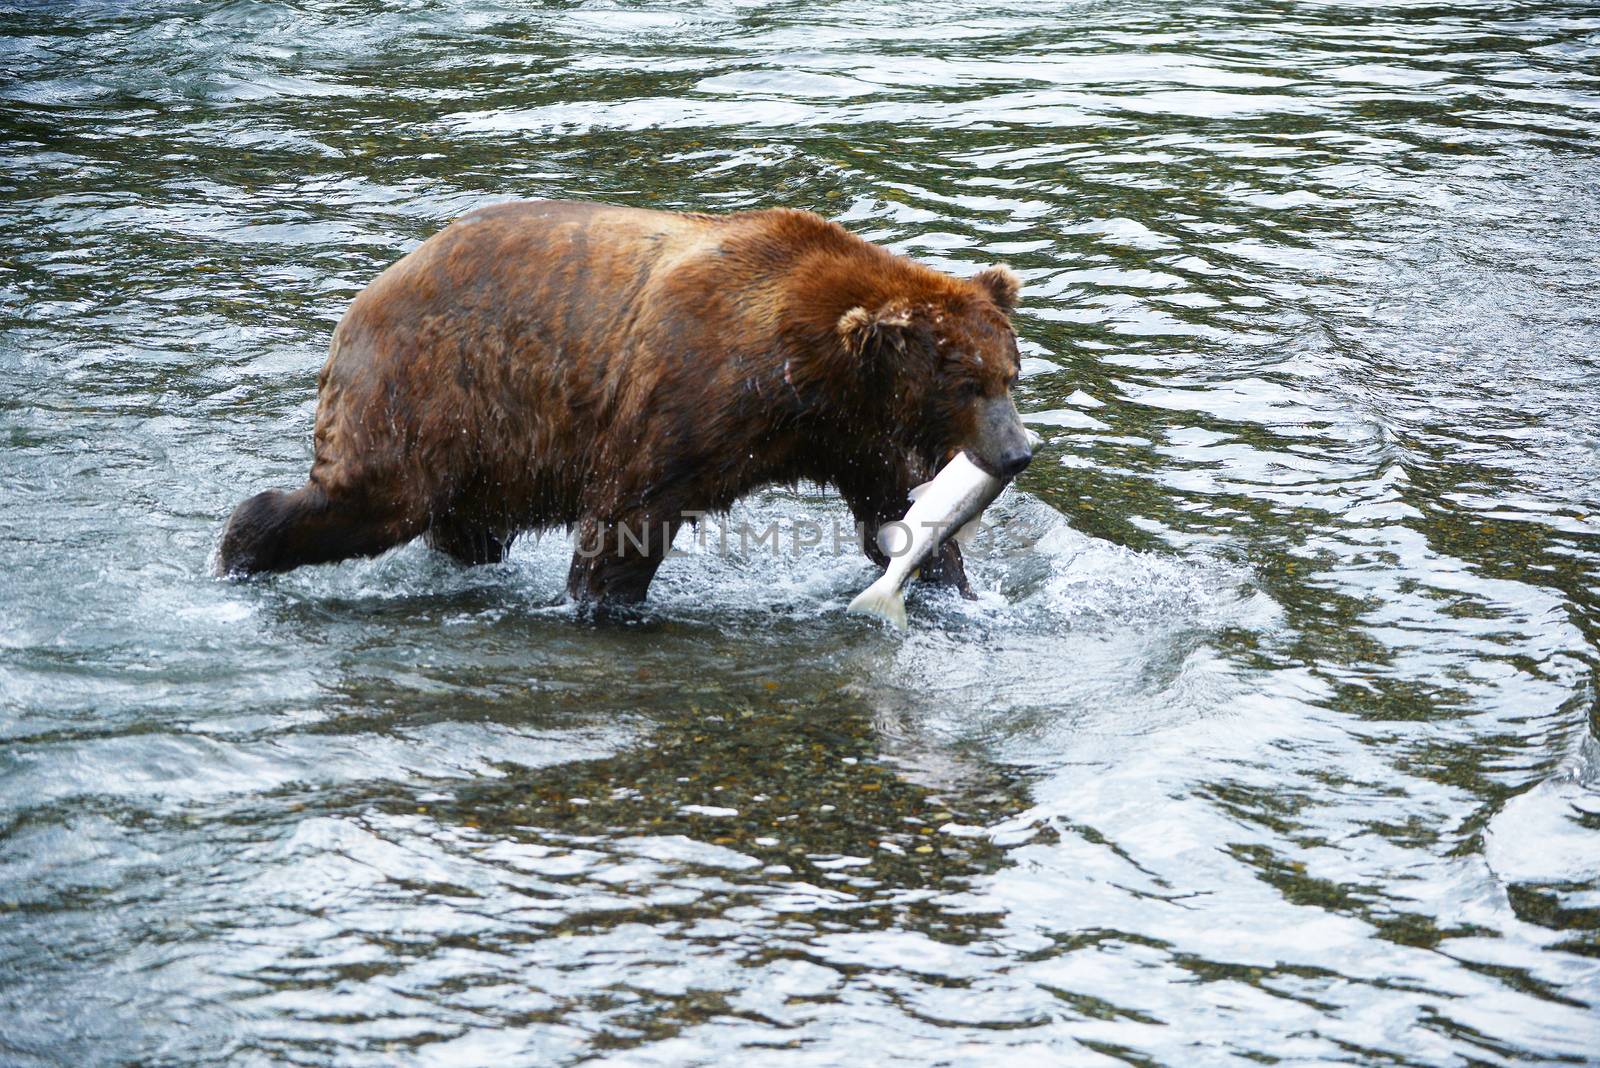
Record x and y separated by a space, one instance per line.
470 543
277 531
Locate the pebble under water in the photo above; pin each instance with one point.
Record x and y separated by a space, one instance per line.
1272 737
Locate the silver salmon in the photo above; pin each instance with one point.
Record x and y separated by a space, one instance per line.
949 506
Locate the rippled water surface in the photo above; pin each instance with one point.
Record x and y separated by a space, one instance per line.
1272 736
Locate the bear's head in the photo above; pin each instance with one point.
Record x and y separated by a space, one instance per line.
947 360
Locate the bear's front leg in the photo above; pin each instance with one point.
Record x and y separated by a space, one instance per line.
614 561
947 567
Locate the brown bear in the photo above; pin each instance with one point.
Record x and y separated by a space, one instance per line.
617 370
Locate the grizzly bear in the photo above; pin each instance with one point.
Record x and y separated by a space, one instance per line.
617 371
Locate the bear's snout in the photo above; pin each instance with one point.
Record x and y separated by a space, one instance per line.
1002 446
1014 463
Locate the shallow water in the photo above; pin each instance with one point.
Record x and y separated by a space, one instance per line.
1272 737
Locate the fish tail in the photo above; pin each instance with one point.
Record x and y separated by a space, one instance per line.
882 599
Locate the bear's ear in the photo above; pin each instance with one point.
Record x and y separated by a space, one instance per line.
861 329
1002 285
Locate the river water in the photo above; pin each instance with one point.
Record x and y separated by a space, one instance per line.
1271 738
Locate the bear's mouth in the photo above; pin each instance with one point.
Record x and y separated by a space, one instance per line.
982 464
972 454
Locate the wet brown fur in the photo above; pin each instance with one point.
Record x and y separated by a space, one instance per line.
570 364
